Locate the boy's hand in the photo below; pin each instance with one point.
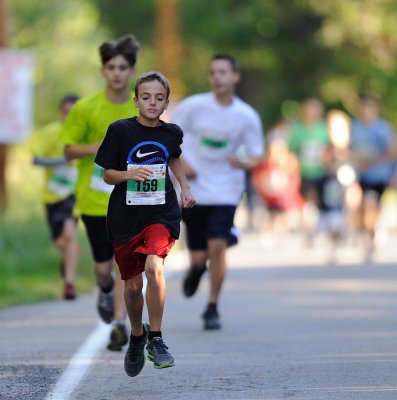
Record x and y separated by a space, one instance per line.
187 199
139 174
235 162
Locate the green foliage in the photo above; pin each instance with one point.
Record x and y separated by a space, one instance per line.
288 49
30 265
64 37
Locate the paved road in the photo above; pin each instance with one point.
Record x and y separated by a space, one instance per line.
294 327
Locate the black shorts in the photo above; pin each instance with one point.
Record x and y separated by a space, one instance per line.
101 248
58 213
315 186
209 222
377 188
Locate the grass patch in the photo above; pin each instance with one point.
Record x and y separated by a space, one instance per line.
29 263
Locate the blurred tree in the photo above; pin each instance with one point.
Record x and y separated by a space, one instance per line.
168 43
64 37
3 146
288 49
362 39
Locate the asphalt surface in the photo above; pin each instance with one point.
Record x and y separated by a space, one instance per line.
294 327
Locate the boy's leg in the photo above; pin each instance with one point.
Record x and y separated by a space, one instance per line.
196 230
220 236
118 334
103 274
68 245
133 297
217 266
102 252
155 291
135 357
198 266
63 231
155 298
119 301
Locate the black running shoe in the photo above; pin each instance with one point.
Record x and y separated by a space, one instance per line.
134 359
192 280
158 353
118 337
211 320
105 306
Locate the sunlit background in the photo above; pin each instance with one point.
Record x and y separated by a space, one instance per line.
288 50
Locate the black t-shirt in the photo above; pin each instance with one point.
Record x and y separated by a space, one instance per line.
128 143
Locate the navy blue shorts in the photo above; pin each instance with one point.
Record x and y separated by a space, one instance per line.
209 222
378 188
101 248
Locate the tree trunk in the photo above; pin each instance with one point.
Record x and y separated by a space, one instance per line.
169 44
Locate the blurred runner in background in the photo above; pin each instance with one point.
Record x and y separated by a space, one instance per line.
309 140
58 193
216 125
276 181
82 135
372 151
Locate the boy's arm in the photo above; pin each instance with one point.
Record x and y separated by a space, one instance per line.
74 134
186 196
73 151
114 177
248 164
49 162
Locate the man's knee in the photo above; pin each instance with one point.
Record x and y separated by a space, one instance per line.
154 267
133 287
217 247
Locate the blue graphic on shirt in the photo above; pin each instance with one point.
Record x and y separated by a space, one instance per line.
147 153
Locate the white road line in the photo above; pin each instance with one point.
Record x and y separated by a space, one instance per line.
80 362
82 359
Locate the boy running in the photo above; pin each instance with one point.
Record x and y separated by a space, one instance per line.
82 135
216 126
57 193
143 218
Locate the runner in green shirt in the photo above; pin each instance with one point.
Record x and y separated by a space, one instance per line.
57 193
82 135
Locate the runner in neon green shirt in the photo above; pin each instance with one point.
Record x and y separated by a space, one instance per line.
58 193
86 126
82 135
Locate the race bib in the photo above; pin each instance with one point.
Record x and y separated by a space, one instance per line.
97 182
63 181
151 191
214 145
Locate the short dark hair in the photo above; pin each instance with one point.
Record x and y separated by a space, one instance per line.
223 56
152 76
127 46
68 98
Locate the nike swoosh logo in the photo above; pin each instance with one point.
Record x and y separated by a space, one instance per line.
140 155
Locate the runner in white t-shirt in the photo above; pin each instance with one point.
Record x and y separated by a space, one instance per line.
217 126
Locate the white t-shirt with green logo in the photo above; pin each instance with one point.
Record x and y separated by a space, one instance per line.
212 133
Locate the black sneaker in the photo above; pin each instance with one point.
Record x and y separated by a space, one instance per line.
158 353
192 280
105 306
134 359
211 320
118 337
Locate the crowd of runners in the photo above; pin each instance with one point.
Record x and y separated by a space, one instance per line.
113 162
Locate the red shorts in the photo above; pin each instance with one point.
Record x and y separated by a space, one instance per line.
131 255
